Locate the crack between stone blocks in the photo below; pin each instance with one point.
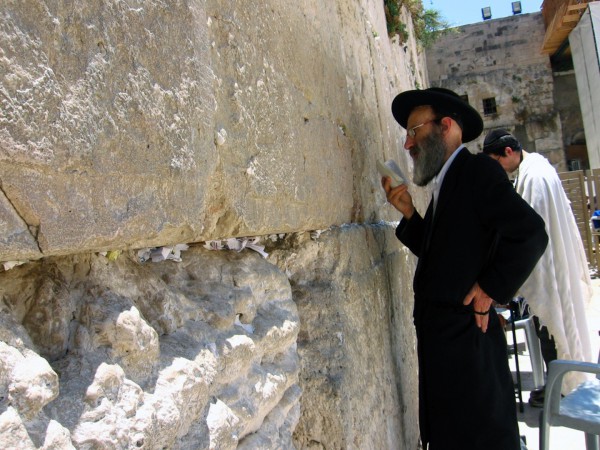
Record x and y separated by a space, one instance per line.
376 88
34 236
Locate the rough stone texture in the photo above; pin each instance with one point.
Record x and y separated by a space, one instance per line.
144 123
127 125
501 59
212 352
357 348
569 108
93 126
152 356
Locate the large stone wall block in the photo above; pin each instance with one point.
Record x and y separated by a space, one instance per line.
117 378
131 125
326 351
107 123
356 340
140 124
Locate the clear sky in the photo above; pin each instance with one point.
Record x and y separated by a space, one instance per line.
462 12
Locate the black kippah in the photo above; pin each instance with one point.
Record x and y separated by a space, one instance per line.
500 139
494 136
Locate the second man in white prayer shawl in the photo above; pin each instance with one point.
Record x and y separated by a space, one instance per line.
559 288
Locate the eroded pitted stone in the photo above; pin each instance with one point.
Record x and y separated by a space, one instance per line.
122 383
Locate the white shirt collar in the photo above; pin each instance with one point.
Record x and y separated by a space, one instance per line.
439 178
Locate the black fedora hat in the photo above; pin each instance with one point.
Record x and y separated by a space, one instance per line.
445 99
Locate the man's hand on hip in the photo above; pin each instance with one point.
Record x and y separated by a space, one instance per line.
481 306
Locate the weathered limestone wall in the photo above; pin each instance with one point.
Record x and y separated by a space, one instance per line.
358 357
127 125
144 123
148 356
219 351
501 59
569 108
584 44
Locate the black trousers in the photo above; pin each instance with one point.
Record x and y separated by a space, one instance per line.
546 342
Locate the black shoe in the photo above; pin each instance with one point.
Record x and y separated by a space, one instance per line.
536 398
538 392
536 402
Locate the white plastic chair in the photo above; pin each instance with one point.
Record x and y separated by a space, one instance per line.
579 409
535 350
533 346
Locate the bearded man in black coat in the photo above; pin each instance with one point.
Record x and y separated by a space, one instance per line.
476 244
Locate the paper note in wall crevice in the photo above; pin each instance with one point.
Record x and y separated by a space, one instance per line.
391 169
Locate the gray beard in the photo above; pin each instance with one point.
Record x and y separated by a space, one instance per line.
430 159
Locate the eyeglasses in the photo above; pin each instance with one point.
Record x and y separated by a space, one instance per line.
411 131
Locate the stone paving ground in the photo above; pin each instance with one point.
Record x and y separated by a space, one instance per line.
560 438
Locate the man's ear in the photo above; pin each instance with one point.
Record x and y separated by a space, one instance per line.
508 151
446 124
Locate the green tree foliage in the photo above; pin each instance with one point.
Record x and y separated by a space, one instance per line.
429 26
392 16
427 23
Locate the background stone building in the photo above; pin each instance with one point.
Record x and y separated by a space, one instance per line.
500 68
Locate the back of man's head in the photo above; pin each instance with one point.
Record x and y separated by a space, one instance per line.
496 141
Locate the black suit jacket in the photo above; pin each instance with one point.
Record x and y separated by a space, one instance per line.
484 232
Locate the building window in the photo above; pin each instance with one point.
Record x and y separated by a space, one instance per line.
489 106
465 98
